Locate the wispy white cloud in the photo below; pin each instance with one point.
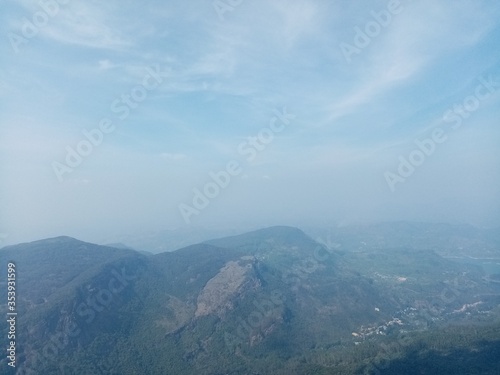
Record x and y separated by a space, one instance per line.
407 46
88 24
173 156
224 80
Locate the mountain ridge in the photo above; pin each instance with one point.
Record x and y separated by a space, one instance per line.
270 301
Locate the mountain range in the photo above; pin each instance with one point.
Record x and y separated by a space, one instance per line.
270 301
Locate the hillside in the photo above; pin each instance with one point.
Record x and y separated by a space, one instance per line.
272 301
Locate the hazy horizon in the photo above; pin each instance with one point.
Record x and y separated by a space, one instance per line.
133 118
178 238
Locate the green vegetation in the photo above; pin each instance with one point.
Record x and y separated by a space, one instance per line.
281 304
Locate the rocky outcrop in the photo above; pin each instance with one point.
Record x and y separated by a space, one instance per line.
219 291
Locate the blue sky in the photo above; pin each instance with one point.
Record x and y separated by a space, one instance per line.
225 70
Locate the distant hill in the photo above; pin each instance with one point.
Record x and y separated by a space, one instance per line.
46 266
456 240
167 240
445 239
271 301
118 245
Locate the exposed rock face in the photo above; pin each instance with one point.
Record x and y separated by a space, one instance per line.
217 294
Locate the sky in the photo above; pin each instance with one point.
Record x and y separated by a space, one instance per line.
123 117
